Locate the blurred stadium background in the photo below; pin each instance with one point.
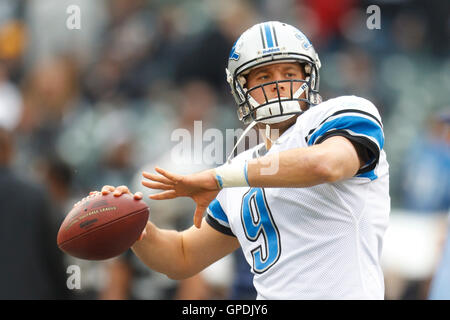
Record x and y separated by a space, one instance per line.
93 106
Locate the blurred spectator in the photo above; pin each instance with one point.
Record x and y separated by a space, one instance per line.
357 70
242 287
50 98
328 18
32 266
127 45
410 253
10 101
206 54
426 194
57 176
440 287
49 36
50 90
426 182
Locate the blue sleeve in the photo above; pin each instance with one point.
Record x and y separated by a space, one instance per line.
359 127
217 218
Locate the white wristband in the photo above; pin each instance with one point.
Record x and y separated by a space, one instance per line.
232 174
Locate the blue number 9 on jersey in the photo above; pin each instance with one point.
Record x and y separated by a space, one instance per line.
257 220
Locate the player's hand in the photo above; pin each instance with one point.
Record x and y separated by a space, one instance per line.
201 187
118 191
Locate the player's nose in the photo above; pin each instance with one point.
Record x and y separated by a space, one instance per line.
278 83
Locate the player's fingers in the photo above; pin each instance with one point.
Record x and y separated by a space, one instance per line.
138 195
107 189
198 216
121 190
157 178
157 185
168 175
164 195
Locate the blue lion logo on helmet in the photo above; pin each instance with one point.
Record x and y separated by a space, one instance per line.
301 36
233 54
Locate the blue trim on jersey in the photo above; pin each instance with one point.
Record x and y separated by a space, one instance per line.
269 39
246 172
356 124
371 175
217 212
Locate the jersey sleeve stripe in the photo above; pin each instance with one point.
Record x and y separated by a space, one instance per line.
354 125
216 211
350 111
215 224
370 174
367 143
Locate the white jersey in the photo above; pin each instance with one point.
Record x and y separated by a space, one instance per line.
320 242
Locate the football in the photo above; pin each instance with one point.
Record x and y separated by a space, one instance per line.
102 226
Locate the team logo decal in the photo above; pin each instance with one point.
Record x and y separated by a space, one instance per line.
233 54
305 41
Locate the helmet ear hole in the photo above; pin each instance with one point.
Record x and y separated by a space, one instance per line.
242 80
307 68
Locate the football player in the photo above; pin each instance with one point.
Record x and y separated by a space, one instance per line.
308 207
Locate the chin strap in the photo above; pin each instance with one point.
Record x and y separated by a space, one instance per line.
268 135
250 126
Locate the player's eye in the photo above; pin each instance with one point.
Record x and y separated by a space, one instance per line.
263 77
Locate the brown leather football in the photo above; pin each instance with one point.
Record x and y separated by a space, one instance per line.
102 226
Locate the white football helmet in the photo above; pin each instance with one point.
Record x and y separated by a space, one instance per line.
267 43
